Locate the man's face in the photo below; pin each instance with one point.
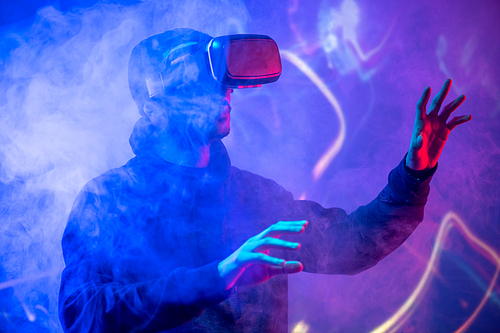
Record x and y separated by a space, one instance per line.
222 126
203 113
195 104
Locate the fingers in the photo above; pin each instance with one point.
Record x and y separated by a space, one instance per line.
251 264
418 143
262 259
284 227
438 100
256 249
449 108
290 267
268 243
265 241
455 121
436 105
422 103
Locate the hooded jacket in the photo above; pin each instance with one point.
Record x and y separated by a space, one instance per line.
143 242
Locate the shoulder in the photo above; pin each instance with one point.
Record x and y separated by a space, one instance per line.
99 194
94 205
255 185
109 181
117 180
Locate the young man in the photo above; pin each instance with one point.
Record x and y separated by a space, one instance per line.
178 239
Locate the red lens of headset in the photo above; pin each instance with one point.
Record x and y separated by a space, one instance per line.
239 61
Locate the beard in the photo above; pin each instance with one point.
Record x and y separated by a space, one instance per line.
196 129
203 121
220 129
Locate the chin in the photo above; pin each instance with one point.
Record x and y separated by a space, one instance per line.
220 130
218 134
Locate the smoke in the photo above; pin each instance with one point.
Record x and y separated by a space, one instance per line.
379 111
294 119
66 114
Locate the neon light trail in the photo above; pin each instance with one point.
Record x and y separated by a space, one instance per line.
336 144
450 220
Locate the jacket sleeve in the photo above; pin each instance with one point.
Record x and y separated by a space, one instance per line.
338 243
96 296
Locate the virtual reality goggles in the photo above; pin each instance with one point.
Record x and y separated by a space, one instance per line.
233 61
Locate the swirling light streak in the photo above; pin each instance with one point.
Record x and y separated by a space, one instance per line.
21 280
14 282
351 37
301 327
478 281
451 219
31 316
337 143
292 9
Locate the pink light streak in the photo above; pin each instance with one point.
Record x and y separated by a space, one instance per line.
337 143
450 220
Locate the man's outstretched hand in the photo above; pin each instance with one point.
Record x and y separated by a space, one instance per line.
431 130
251 264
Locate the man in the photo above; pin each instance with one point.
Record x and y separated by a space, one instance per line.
178 239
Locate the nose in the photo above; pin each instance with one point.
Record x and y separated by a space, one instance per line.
226 101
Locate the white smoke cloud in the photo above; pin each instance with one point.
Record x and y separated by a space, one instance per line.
65 117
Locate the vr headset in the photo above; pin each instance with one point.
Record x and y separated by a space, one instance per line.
233 61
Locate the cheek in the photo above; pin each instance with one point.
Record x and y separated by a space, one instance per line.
200 120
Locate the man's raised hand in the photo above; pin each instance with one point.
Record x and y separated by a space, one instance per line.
251 264
431 130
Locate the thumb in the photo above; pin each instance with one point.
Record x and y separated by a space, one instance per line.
419 142
290 267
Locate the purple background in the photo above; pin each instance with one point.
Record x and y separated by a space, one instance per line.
66 115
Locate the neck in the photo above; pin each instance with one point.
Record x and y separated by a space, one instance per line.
182 151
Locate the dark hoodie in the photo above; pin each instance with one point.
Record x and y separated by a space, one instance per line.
143 242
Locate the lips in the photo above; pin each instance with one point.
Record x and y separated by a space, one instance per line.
225 114
223 118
